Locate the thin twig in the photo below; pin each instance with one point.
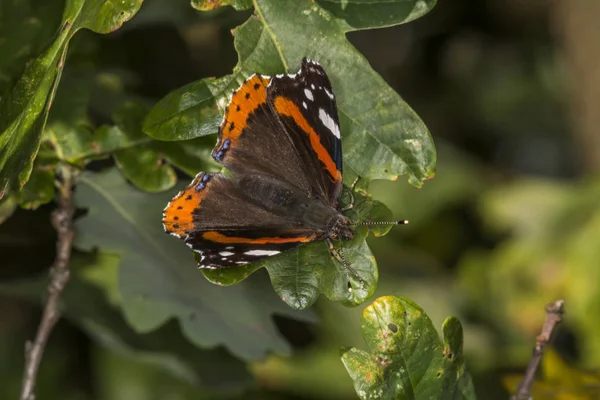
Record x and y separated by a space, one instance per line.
554 313
62 220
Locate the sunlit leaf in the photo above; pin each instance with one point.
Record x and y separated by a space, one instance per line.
407 358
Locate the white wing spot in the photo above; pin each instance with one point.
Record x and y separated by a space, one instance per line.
308 94
304 105
312 86
241 262
226 253
329 123
328 93
262 252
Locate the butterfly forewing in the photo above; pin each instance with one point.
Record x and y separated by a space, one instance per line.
305 105
251 140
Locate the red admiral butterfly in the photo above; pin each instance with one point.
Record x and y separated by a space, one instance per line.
280 138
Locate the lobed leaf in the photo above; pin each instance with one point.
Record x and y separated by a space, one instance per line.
157 279
407 359
382 136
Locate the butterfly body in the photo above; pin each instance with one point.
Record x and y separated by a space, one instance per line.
291 203
280 139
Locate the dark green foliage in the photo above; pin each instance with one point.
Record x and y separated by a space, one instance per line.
136 290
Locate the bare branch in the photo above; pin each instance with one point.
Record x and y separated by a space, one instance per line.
554 313
62 220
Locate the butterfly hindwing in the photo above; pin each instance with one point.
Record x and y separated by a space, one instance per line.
218 220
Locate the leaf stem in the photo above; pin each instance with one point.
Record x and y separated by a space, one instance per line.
554 313
62 220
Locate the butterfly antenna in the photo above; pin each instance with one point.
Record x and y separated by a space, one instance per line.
369 223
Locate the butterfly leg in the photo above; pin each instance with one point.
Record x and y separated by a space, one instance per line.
351 192
349 270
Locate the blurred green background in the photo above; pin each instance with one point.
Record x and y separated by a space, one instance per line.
510 91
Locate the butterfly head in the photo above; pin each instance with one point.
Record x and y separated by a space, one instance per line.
341 228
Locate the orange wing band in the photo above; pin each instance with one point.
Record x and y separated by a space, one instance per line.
219 238
251 95
288 108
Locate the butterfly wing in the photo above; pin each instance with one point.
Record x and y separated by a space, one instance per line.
305 107
221 223
283 129
252 140
286 127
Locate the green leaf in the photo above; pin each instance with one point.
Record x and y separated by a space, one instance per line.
8 205
207 5
142 160
407 359
382 136
91 301
158 279
38 190
190 156
376 13
24 111
69 131
142 165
